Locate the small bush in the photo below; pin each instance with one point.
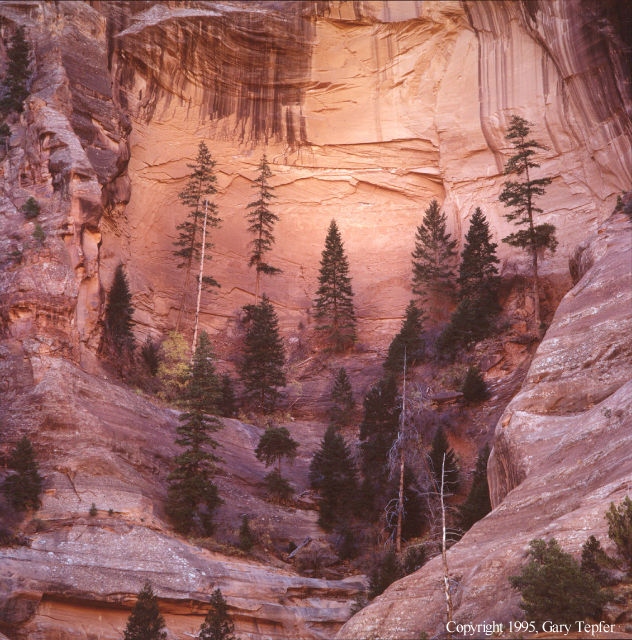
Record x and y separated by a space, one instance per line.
38 233
278 487
387 570
93 510
31 208
246 536
474 388
414 559
150 353
620 528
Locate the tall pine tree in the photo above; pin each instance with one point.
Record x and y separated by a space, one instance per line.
520 195
118 337
261 221
145 621
193 234
17 75
334 296
23 486
409 340
434 257
478 288
217 624
477 504
378 431
261 368
332 473
192 496
342 402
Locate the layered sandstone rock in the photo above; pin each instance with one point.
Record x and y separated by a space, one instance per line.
101 444
562 452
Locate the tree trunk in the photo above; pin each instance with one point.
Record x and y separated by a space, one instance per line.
536 295
400 500
200 277
444 557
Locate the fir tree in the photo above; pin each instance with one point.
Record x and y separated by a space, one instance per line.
409 340
619 519
192 497
520 196
341 399
477 504
332 473
17 74
334 297
441 446
262 365
246 536
434 255
193 238
261 221
378 430
596 562
554 588
217 625
24 486
145 621
228 401
118 337
274 445
474 387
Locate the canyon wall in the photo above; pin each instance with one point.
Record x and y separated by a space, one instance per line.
562 453
366 111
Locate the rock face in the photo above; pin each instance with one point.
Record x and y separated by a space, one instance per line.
366 112
562 453
101 444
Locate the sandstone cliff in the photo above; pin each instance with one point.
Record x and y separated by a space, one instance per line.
562 452
367 110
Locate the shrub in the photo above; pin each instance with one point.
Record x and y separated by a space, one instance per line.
278 487
93 510
620 528
414 559
31 208
554 587
474 387
246 536
38 233
23 487
150 353
384 573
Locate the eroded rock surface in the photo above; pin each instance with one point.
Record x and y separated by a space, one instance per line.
562 452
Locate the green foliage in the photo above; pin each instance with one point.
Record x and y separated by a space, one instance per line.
414 558
553 586
275 444
217 625
378 430
342 399
38 233
118 337
173 368
434 254
150 353
477 504
261 221
228 401
474 386
145 621
264 356
277 486
17 75
408 340
31 208
246 536
520 197
334 296
619 519
441 447
195 196
192 497
23 487
332 473
386 571
595 561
